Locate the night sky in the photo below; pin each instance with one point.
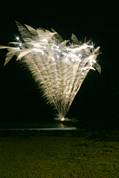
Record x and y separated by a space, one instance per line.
97 101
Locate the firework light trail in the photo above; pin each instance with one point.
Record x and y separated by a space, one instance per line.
59 67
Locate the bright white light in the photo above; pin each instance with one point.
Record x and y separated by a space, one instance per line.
17 38
62 119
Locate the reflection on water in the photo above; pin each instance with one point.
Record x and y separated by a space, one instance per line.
36 126
40 129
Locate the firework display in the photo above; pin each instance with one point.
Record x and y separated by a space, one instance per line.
59 67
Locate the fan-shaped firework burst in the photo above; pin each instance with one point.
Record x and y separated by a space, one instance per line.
58 66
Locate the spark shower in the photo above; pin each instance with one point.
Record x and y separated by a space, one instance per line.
58 66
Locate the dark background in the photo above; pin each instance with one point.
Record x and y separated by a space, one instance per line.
96 104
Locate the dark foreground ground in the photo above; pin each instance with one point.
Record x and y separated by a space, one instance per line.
59 154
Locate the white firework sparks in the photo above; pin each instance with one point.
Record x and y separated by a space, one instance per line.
59 67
